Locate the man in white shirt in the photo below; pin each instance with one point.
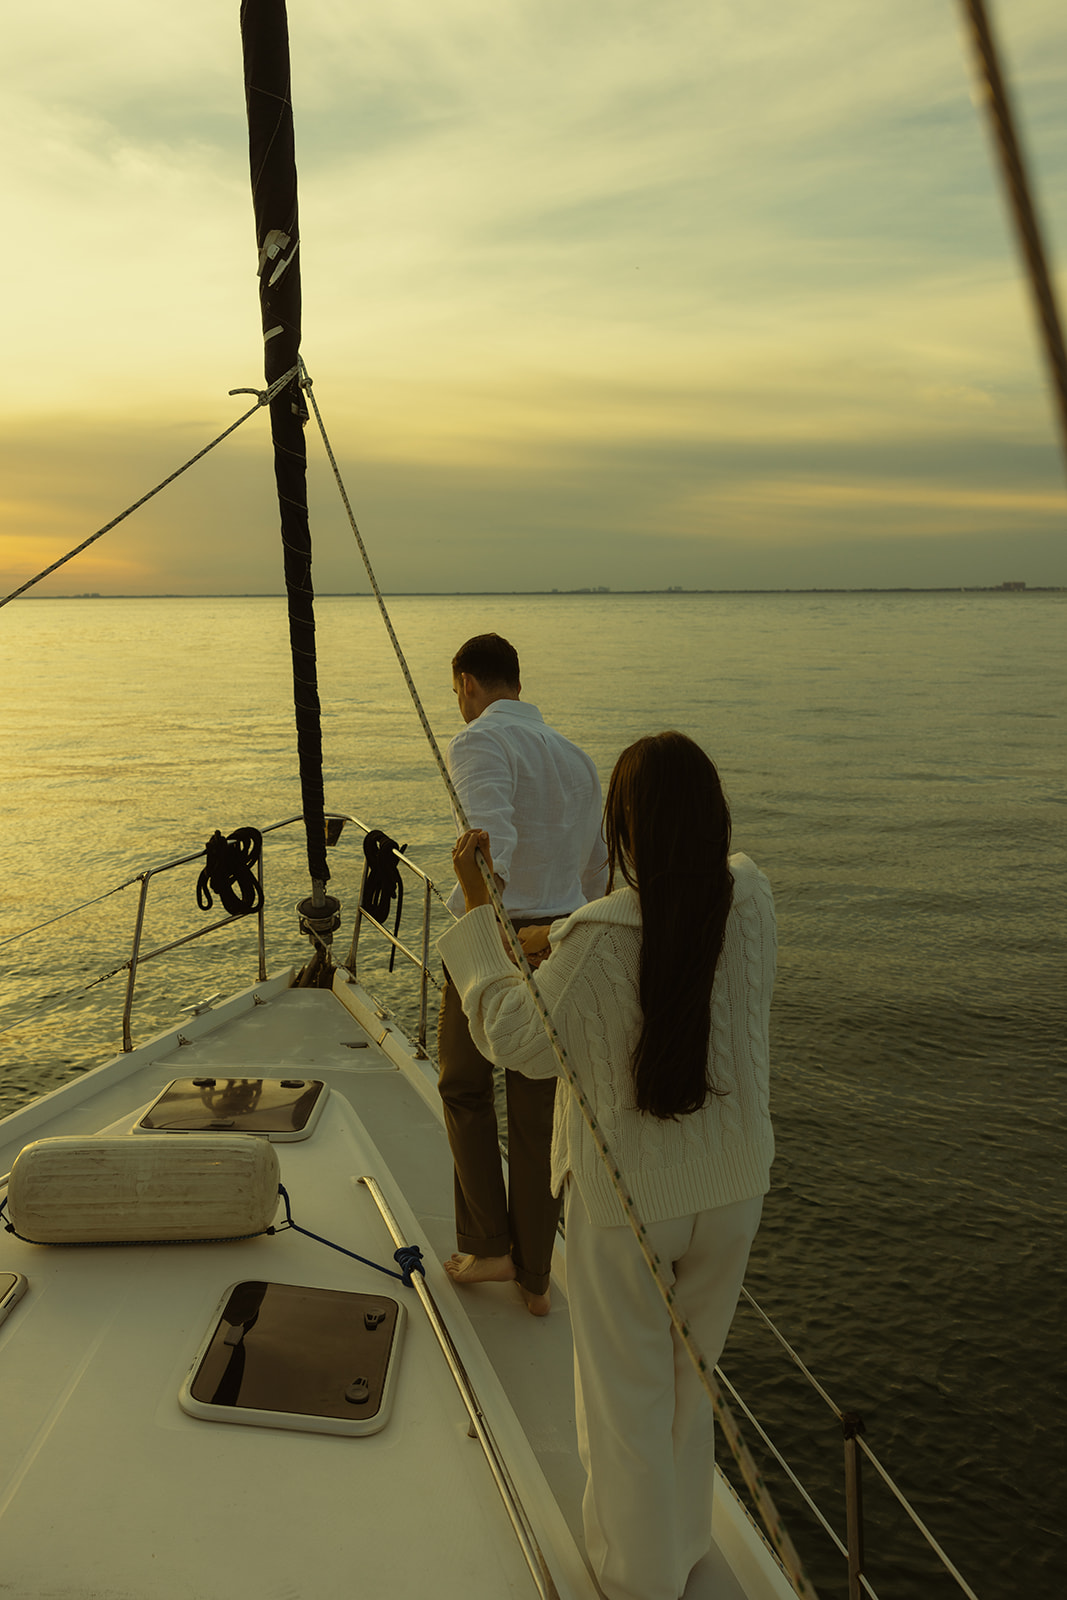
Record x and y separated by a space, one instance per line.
538 798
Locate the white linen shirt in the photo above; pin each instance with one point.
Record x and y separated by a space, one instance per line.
538 798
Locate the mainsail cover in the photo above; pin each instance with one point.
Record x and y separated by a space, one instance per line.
272 158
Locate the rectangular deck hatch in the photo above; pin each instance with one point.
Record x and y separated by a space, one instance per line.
282 1109
282 1356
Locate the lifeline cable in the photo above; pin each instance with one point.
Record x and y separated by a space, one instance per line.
63 915
53 1003
864 1446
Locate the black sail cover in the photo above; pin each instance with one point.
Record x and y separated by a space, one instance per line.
265 38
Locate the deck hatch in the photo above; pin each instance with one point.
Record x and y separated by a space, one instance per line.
282 1356
283 1109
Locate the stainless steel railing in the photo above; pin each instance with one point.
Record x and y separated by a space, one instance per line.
139 955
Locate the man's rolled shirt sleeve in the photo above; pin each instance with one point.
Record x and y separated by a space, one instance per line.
484 777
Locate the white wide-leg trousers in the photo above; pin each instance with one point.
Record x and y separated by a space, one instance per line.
645 1425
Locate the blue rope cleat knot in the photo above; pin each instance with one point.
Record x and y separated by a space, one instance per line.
409 1259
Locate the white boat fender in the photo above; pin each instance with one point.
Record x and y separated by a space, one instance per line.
158 1189
152 1189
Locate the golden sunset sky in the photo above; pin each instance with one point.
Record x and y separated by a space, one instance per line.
719 295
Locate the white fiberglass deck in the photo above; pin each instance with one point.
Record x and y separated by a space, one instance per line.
108 1489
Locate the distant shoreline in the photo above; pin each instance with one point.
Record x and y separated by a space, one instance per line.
564 594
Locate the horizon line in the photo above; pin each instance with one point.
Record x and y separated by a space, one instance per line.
563 594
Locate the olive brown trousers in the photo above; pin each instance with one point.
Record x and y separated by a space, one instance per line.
494 1217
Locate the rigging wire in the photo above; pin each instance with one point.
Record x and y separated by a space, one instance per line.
784 1545
1033 250
995 94
264 398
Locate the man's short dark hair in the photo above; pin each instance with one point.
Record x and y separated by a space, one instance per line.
490 659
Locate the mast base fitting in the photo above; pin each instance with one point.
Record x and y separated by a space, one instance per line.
322 920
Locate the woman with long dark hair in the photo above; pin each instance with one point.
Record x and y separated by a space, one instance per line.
661 994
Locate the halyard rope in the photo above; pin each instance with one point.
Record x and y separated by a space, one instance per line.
783 1543
408 679
264 397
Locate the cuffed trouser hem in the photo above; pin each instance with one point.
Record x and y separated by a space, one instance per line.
469 1245
533 1282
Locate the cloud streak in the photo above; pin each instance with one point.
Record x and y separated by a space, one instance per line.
699 273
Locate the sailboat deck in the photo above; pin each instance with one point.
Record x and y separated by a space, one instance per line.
92 1360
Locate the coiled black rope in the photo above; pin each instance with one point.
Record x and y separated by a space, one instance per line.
229 872
383 882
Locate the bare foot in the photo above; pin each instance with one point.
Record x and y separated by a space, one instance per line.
480 1269
538 1305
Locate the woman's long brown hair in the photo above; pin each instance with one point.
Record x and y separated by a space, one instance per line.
667 826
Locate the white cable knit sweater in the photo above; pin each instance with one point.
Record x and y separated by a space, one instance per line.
708 1158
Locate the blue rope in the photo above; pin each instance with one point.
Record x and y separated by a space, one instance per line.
408 1257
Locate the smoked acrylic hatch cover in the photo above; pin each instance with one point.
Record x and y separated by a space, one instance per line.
279 1355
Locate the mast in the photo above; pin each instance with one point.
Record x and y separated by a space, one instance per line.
272 159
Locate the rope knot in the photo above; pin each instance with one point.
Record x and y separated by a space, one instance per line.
409 1259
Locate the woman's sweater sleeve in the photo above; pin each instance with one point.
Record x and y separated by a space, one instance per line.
503 1017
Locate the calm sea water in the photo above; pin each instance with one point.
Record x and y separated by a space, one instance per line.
895 763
